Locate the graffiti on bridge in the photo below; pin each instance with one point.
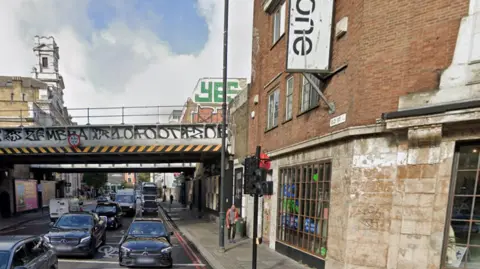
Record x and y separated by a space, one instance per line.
113 132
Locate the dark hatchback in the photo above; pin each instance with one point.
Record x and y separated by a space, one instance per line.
146 244
112 212
26 252
77 234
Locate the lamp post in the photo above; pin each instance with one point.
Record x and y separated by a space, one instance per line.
221 232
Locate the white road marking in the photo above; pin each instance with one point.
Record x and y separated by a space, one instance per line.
116 262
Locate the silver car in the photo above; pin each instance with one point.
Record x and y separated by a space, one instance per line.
26 252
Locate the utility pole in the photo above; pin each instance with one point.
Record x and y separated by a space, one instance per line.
221 232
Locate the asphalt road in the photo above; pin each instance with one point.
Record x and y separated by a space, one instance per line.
184 256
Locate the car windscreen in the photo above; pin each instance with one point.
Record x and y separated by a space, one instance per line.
4 258
75 222
124 198
106 209
147 229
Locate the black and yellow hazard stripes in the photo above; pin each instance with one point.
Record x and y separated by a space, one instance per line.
112 149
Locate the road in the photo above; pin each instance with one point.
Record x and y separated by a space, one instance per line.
184 256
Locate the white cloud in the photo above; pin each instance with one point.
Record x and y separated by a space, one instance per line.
121 66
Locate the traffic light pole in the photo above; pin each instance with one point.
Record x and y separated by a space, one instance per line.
255 220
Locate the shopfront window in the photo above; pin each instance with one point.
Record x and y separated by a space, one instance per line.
463 243
303 202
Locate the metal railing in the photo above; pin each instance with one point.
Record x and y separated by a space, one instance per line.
90 115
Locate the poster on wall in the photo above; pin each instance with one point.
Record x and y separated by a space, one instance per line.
48 192
26 197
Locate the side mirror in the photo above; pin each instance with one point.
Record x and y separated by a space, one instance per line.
171 233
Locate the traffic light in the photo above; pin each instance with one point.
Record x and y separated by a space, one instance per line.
265 188
251 165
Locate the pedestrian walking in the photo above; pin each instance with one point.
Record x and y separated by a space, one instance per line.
171 201
231 220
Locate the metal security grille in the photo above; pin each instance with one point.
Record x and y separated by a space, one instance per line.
304 202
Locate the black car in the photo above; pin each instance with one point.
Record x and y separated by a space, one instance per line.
26 251
77 234
146 244
112 211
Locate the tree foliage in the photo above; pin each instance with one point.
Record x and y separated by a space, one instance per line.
95 180
143 177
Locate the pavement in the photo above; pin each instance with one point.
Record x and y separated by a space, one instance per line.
204 236
184 256
16 222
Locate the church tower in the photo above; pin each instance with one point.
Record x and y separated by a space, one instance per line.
46 69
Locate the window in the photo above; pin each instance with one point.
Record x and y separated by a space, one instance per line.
463 239
272 117
303 205
289 98
129 180
310 96
23 97
279 23
45 62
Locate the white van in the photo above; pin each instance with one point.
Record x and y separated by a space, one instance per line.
127 201
60 206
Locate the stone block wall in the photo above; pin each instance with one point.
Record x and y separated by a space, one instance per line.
389 198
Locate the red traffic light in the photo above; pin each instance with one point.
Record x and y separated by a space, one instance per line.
265 161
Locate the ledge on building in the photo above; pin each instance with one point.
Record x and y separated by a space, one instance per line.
430 110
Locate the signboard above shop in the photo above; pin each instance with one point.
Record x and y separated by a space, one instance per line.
309 35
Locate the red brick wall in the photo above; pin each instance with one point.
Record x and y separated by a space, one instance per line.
196 113
392 48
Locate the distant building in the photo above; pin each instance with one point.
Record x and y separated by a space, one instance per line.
130 178
205 105
175 116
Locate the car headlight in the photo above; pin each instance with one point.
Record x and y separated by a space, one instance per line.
167 250
85 239
111 218
131 206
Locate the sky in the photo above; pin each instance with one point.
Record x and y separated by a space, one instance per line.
128 53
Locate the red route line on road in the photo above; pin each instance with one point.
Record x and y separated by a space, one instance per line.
193 257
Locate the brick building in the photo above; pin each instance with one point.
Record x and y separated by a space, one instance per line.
383 174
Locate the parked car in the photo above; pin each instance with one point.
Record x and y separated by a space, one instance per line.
112 211
146 243
25 251
78 233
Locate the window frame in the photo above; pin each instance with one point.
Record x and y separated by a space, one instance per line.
301 237
289 97
278 22
272 116
311 93
456 169
44 62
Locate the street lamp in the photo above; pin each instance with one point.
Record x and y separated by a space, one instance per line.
221 232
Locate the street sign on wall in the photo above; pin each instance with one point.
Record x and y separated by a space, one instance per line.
309 35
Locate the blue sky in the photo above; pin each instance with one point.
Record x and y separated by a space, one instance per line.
174 21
